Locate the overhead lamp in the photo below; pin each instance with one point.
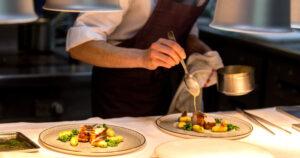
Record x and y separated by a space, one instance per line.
82 5
295 14
253 16
17 11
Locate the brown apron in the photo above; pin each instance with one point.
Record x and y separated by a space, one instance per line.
119 92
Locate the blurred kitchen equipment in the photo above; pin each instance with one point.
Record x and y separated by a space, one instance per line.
190 81
236 80
253 16
17 11
256 120
16 141
83 5
295 13
291 111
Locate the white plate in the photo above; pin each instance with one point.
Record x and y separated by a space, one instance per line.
132 142
209 148
168 124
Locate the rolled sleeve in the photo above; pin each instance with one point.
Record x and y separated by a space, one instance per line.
94 26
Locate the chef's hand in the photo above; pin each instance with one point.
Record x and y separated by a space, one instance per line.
163 53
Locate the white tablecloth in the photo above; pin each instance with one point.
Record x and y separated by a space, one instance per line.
282 145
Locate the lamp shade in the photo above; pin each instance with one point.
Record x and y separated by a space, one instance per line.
83 5
253 16
295 14
17 11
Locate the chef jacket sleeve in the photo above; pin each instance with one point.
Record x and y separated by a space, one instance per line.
95 26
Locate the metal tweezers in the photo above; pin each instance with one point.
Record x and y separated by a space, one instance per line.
256 120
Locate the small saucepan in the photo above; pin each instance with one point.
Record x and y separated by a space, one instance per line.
236 80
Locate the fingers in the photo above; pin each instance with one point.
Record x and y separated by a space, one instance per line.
160 63
164 53
163 57
175 46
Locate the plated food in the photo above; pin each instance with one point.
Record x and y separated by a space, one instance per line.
198 122
210 125
97 135
91 139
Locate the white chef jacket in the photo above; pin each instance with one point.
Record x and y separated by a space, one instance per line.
113 27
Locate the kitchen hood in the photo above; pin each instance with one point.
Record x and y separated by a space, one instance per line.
83 5
295 14
17 11
253 16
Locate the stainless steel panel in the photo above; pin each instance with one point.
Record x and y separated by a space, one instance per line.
295 13
17 11
83 5
253 16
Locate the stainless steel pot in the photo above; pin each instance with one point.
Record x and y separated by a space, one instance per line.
236 80
17 11
83 5
253 16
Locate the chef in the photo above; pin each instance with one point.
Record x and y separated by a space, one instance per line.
136 68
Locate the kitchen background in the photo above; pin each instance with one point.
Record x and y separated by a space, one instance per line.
40 82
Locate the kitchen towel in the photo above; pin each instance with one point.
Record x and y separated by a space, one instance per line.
203 67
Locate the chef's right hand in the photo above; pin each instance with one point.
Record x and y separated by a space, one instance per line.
163 53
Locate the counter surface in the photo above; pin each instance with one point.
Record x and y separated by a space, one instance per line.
282 145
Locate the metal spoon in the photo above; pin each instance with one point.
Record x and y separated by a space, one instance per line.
190 81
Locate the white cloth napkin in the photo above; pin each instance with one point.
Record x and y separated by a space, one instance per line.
203 67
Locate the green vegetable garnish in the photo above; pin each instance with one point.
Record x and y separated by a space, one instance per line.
75 132
232 127
111 143
114 141
102 126
218 121
188 127
65 136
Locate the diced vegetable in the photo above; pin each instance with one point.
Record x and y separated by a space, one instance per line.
101 144
224 122
112 142
74 141
75 132
65 136
119 138
185 119
181 124
198 128
219 128
110 132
